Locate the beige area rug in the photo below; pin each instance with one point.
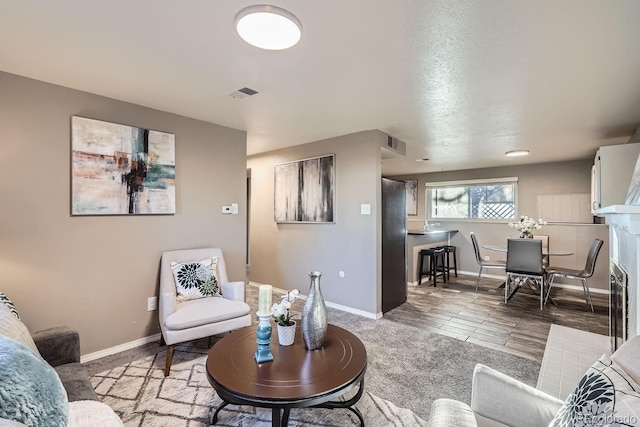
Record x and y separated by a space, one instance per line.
142 396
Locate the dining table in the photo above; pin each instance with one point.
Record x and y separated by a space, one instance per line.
544 254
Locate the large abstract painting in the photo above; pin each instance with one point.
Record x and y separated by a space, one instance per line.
121 170
305 190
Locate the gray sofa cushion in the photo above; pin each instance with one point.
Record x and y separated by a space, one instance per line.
60 347
75 379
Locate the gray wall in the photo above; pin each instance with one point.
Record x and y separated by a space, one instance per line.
95 273
533 180
283 254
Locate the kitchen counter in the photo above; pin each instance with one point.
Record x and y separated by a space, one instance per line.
420 239
429 232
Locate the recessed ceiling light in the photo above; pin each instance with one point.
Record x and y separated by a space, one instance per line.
422 160
268 27
516 153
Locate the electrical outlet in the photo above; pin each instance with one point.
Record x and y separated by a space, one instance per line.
487 258
152 303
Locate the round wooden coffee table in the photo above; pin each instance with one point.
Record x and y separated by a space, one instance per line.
296 378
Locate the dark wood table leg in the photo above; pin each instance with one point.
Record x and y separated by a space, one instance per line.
214 419
285 417
275 417
348 404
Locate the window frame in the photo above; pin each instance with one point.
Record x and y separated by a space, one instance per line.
470 183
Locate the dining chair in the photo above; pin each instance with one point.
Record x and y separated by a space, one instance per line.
582 275
545 248
481 262
524 263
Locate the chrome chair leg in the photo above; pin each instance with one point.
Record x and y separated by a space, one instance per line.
541 293
507 287
478 279
553 276
587 294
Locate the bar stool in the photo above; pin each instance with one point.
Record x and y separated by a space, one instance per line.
448 249
436 258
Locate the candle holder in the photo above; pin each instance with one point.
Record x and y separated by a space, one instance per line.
263 333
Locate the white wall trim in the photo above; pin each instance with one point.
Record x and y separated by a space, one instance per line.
118 348
470 182
340 307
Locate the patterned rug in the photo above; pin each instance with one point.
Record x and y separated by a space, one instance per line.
142 396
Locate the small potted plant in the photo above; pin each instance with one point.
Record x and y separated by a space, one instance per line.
280 313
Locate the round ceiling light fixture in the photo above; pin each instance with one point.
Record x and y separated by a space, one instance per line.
516 153
268 27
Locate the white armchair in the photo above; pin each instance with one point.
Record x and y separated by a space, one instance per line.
182 321
499 400
496 400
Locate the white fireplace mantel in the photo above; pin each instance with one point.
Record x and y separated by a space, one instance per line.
625 216
624 248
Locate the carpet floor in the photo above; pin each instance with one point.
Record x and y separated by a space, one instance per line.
142 396
408 368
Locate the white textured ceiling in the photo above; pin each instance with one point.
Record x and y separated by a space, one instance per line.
460 82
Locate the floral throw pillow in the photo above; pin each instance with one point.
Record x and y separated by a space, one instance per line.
196 279
604 396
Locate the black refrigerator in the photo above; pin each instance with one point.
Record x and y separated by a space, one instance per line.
394 244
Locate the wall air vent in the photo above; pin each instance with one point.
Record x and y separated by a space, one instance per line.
243 93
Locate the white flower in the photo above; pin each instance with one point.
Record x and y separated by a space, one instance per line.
280 312
527 224
292 295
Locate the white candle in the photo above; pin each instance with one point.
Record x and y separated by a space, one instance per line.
264 299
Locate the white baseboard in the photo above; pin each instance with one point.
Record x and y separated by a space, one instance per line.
340 307
117 349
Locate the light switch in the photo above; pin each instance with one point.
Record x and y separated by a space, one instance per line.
226 210
365 209
234 208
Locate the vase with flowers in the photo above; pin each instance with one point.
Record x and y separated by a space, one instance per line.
282 316
526 226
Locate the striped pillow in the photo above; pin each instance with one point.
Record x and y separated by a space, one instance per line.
15 329
5 299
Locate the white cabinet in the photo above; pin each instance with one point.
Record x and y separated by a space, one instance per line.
611 174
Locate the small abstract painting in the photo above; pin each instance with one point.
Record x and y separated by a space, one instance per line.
412 196
305 190
121 170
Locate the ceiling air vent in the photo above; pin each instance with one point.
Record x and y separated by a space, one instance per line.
243 93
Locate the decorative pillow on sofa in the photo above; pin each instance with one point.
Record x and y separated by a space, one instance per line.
13 328
31 391
605 395
5 299
196 279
